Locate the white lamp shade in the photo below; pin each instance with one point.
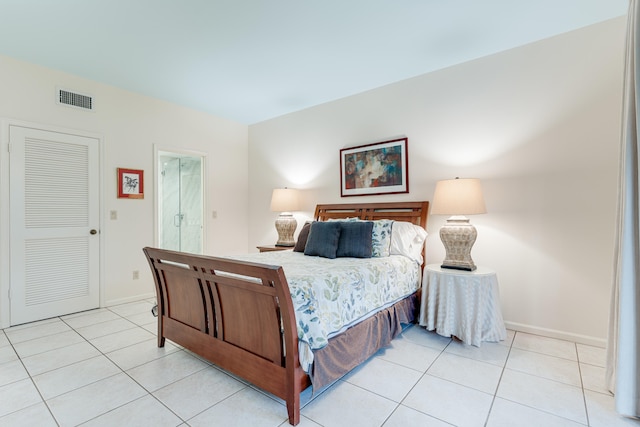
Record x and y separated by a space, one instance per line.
284 200
458 197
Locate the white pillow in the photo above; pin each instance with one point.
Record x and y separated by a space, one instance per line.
407 239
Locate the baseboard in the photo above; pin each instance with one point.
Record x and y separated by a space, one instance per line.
519 327
135 298
552 333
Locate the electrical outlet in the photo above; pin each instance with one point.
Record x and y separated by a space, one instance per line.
136 274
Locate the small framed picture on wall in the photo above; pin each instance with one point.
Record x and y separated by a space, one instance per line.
130 183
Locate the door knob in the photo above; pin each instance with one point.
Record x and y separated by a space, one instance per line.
93 231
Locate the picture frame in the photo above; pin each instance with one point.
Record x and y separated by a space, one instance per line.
130 183
372 169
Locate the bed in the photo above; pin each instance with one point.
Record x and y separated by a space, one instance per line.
240 312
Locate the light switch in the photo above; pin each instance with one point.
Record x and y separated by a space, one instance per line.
113 214
214 214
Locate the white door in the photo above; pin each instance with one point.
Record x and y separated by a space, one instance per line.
54 209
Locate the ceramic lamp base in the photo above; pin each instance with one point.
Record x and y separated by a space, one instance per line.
286 225
458 237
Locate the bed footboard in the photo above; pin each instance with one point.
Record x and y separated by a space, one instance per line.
238 315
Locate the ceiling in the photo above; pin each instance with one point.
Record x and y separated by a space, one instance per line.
252 60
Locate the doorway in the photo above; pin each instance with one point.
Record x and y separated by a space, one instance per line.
180 201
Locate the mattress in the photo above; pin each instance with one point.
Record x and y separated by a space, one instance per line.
330 295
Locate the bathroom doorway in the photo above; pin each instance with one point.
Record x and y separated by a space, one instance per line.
180 201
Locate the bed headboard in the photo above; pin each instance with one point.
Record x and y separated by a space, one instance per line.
415 212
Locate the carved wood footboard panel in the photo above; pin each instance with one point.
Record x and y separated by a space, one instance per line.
237 315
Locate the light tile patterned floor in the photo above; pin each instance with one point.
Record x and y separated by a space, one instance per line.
102 368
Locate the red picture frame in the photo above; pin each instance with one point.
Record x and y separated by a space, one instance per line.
378 168
130 183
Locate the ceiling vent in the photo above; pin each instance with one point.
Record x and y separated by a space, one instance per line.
74 99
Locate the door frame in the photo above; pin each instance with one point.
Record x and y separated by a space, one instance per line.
5 246
157 149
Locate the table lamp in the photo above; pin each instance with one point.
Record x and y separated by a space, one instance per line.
458 197
285 200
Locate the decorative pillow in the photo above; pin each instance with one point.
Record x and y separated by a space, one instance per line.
381 235
302 237
350 219
408 239
355 239
323 239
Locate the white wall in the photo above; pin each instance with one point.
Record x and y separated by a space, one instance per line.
539 125
129 125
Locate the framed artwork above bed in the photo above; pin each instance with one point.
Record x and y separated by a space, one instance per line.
378 168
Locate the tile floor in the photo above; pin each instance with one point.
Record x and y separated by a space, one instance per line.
102 368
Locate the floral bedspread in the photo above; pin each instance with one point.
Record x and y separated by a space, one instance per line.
330 295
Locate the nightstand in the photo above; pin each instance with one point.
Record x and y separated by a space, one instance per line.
464 304
274 248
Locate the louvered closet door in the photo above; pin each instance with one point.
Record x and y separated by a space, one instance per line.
54 197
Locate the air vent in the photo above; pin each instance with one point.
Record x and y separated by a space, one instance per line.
74 99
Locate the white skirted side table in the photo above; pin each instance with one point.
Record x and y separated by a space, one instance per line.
464 304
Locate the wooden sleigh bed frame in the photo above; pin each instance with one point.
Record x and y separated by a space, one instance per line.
240 316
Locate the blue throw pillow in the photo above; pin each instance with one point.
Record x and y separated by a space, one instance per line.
323 239
355 239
